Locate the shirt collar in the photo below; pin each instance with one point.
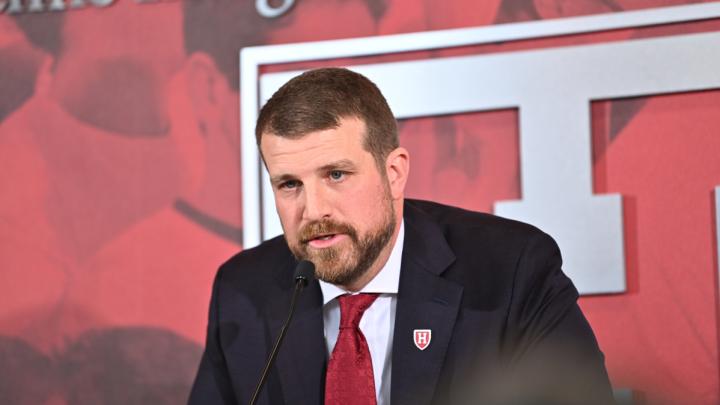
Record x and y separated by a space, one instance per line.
385 282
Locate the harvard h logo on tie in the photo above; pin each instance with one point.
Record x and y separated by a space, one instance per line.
422 338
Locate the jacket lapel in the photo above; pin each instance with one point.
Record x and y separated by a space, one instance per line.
301 360
425 301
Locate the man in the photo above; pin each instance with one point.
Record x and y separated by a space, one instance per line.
77 171
456 306
126 365
19 62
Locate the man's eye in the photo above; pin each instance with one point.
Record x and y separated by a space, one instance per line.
289 185
337 175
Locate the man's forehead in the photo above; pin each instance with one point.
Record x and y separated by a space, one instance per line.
349 133
316 149
349 123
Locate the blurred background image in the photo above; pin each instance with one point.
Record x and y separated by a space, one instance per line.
121 185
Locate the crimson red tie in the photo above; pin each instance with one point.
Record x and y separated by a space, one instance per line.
349 379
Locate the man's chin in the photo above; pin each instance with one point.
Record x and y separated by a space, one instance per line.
333 268
336 276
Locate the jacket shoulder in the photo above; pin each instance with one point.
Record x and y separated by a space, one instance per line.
488 249
477 225
259 264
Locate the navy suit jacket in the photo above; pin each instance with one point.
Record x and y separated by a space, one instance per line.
503 316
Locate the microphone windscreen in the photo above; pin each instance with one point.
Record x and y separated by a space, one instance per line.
305 271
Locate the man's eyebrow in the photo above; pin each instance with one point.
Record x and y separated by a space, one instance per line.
343 164
281 178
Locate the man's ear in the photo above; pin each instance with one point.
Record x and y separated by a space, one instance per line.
397 167
206 87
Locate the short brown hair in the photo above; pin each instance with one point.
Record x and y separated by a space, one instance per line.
317 100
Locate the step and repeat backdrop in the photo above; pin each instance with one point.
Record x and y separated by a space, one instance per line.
129 173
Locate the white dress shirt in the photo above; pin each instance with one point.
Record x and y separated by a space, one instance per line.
378 321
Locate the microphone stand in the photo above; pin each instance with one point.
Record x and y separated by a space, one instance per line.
303 272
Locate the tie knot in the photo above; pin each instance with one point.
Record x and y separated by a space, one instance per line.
352 308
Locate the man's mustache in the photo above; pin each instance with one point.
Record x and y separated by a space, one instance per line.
317 229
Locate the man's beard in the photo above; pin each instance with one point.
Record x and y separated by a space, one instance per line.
342 265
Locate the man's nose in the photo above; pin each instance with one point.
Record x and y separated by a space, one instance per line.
317 205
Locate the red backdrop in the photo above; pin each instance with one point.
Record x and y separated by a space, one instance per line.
120 188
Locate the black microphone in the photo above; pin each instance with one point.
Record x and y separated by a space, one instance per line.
304 273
